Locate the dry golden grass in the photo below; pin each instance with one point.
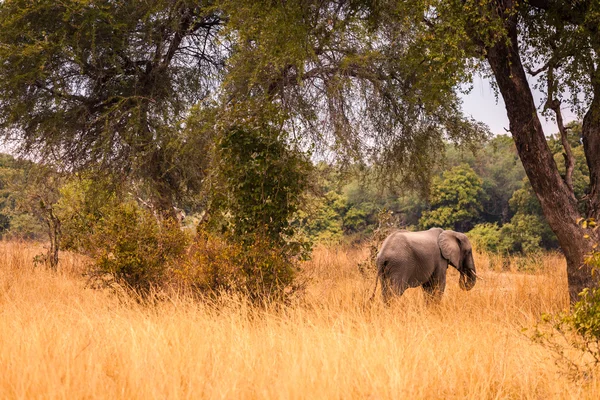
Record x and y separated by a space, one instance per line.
59 339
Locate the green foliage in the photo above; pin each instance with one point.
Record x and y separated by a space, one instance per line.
498 164
455 200
260 184
262 180
322 218
26 226
581 174
524 234
358 217
488 237
344 205
334 73
585 316
129 244
83 203
19 216
529 221
510 220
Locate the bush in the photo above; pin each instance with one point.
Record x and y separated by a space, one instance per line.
83 203
488 238
520 236
210 267
134 247
257 190
220 263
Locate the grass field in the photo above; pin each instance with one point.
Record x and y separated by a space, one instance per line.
59 339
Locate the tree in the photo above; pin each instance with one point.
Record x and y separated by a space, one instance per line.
455 200
408 57
559 42
335 75
497 163
563 38
37 195
106 85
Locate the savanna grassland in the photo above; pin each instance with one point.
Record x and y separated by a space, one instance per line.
62 340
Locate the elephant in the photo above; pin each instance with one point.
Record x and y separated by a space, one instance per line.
410 259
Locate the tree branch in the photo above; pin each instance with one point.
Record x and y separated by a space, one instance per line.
554 105
537 71
57 93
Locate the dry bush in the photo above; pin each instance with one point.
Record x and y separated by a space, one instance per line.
60 339
258 269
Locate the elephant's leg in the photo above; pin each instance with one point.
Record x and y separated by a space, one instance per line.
386 291
390 288
434 288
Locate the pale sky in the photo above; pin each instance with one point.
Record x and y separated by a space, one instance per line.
481 104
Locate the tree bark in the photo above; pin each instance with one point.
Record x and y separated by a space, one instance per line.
557 200
53 224
591 146
554 105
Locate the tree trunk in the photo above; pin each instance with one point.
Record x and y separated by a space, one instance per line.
54 234
557 201
591 146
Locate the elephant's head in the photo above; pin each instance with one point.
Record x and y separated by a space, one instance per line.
456 248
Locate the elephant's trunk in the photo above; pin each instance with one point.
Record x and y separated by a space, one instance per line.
467 281
468 277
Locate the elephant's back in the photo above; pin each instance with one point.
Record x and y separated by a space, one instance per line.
393 246
406 244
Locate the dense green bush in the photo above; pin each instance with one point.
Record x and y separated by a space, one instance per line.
322 217
488 237
83 203
258 189
125 241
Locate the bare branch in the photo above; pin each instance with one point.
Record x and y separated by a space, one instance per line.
537 71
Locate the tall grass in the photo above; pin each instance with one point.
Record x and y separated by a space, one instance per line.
59 339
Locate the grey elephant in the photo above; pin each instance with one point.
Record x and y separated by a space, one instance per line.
410 259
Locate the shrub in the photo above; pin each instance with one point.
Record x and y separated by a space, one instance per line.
134 247
83 203
220 263
257 189
520 236
488 237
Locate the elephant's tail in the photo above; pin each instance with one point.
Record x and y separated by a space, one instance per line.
379 269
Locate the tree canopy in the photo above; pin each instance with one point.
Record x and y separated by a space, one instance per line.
106 85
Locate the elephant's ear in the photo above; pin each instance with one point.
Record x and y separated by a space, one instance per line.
449 243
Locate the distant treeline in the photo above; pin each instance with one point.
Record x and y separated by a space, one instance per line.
484 191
